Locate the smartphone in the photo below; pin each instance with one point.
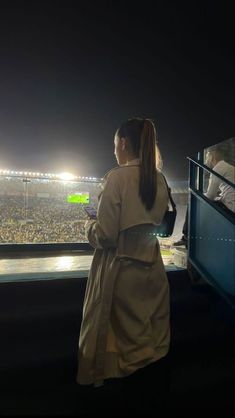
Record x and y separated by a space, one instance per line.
91 212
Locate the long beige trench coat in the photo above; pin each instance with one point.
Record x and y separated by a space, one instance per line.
125 322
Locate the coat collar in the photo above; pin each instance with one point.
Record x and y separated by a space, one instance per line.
136 161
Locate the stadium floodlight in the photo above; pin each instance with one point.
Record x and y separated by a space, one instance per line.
66 176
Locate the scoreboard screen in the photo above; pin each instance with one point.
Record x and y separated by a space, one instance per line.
80 198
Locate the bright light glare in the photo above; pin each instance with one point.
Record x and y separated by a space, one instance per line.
66 176
65 263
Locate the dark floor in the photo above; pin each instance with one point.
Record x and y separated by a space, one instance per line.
39 327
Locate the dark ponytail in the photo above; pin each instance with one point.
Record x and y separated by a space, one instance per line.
141 135
148 172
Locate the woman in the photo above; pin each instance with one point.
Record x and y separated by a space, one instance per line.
125 324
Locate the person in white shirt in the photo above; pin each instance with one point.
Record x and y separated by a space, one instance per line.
218 190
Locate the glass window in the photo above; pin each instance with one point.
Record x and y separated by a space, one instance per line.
35 210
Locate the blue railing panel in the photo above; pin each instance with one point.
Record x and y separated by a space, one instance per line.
212 244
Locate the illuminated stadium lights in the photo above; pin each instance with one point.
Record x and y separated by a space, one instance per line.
66 176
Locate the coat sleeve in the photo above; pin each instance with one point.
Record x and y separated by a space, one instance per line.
103 233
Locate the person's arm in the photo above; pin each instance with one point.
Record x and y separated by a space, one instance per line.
103 233
213 187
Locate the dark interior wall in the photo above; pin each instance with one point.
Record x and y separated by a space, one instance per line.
39 324
39 329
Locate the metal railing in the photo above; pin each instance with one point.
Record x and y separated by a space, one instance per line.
211 243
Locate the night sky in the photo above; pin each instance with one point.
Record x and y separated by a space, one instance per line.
71 72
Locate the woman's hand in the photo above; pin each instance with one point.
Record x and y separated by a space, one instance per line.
88 223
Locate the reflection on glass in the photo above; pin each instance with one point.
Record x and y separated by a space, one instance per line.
221 158
227 148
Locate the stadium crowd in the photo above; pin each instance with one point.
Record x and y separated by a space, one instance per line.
42 214
37 211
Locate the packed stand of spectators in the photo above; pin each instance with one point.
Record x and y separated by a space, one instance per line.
41 213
